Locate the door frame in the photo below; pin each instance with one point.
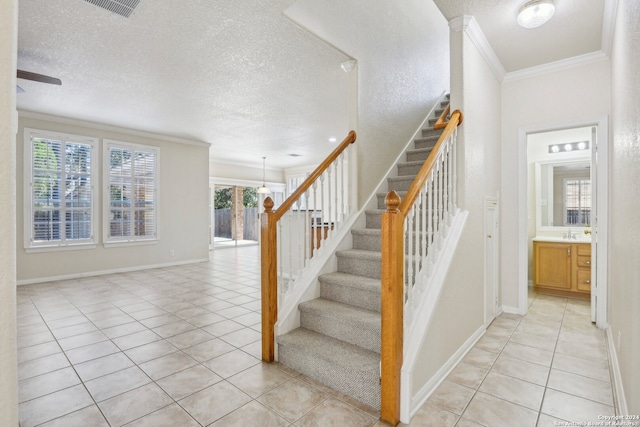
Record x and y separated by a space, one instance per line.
492 203
277 187
601 232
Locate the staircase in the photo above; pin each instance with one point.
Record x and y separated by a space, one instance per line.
338 341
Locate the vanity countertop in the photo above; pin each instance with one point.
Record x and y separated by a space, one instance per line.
580 238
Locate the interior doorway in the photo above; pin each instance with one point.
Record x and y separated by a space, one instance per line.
564 175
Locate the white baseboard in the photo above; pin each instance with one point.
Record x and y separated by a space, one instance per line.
423 394
619 399
511 310
110 271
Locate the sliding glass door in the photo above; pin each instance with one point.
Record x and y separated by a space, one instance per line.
235 218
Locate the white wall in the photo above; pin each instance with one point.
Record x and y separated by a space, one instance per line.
624 200
403 67
476 92
560 99
182 216
8 127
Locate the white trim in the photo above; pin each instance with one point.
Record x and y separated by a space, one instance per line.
619 398
608 25
470 26
602 205
106 196
553 67
511 310
110 128
279 186
64 138
423 394
127 243
55 248
110 271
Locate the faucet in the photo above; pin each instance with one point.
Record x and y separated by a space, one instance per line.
570 235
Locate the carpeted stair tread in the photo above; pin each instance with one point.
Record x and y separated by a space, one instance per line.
329 308
360 254
346 368
332 349
359 291
348 323
418 151
351 280
367 231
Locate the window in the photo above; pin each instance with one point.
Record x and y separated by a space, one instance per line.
131 201
577 202
59 198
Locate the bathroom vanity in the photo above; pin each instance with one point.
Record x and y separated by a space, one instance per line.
562 267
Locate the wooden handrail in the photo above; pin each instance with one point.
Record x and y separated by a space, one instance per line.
441 123
423 174
269 248
392 280
286 205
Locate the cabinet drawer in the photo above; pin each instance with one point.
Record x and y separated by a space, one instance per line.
584 261
584 249
584 280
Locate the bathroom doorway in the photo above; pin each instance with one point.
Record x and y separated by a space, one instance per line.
564 175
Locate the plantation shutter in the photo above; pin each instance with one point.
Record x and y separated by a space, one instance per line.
132 193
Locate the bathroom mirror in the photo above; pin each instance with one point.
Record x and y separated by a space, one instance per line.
563 194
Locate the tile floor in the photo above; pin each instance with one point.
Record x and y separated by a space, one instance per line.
180 347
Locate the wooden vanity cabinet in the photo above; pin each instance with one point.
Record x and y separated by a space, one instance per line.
562 269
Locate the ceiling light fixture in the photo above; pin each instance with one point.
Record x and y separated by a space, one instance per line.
535 13
263 189
570 146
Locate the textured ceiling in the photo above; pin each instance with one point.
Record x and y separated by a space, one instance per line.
236 74
575 29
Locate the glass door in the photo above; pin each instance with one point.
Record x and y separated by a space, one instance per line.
235 219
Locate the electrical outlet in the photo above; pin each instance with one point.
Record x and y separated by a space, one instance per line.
619 339
172 252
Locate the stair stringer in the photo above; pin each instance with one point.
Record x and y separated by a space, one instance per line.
414 338
308 286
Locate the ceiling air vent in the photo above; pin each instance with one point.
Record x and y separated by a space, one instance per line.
121 7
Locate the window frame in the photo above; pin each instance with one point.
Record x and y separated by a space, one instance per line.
30 244
131 240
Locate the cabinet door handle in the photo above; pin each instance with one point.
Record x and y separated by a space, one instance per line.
588 282
569 252
587 262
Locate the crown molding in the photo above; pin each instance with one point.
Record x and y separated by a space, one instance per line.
470 27
109 128
608 25
553 67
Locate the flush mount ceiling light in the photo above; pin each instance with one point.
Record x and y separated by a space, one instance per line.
264 189
535 13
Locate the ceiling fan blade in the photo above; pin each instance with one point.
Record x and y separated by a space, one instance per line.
27 75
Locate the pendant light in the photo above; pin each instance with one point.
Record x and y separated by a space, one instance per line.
263 189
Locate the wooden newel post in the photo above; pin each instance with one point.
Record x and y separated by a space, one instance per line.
269 279
392 305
